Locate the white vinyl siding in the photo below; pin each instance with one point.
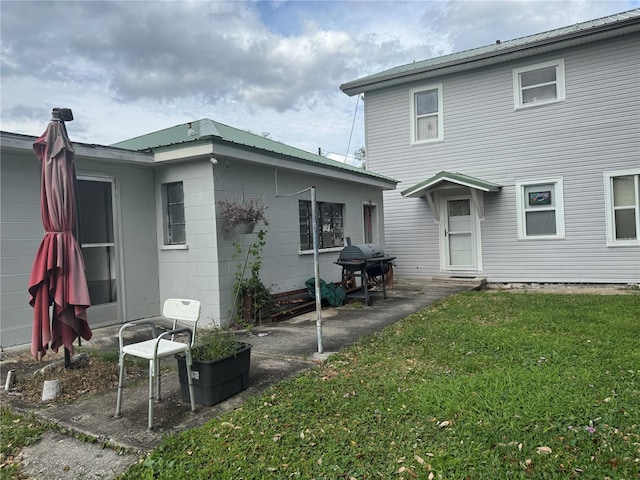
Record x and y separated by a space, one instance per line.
427 124
622 197
540 209
538 84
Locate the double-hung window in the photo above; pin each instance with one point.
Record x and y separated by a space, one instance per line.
330 228
622 200
173 210
426 114
538 84
540 209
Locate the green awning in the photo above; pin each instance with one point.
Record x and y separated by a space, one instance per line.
456 179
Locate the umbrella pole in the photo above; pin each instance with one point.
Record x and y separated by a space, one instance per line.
57 116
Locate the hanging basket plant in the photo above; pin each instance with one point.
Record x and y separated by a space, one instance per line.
241 217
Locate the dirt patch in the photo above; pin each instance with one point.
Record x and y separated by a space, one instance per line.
89 374
606 289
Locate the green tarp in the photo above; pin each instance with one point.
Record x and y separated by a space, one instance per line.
328 291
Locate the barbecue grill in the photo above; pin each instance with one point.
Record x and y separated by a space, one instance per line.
365 261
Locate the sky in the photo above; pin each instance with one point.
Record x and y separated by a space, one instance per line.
127 68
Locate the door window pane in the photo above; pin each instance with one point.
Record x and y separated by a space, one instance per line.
459 208
95 212
460 250
100 269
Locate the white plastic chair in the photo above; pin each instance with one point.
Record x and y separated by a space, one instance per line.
179 310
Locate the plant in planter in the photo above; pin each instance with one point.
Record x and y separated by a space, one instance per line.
242 216
220 368
253 298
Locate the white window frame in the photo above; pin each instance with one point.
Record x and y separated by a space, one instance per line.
560 84
558 206
610 208
167 243
414 116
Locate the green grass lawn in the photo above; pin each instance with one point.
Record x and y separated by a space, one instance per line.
481 386
16 431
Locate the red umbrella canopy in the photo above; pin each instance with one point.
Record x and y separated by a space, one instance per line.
57 276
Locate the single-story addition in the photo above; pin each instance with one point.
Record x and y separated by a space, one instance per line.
150 226
518 161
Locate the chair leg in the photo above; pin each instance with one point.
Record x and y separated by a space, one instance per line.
158 381
120 387
151 396
192 395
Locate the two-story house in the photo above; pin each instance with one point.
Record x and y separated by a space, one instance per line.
518 161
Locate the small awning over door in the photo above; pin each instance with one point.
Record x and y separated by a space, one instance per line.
443 179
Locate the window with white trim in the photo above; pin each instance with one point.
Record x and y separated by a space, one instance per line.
540 209
173 210
426 114
538 84
622 201
331 229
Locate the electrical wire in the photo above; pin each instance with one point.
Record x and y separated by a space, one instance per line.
353 122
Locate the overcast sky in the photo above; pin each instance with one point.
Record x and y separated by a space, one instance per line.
127 68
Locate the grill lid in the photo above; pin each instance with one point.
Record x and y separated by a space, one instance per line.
361 252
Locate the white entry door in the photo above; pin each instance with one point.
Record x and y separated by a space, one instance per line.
460 236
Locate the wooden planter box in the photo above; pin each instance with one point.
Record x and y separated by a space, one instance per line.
216 380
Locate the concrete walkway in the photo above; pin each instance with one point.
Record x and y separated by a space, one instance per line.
280 350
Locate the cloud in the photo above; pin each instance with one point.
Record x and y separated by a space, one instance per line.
128 68
214 51
473 24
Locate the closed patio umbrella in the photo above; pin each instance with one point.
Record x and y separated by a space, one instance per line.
57 277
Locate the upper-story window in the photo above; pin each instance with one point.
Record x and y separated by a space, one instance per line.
173 209
540 209
622 201
426 114
538 84
331 225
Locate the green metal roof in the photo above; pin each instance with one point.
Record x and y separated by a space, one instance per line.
209 129
421 188
471 58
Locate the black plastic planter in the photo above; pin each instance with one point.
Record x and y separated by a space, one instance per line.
216 380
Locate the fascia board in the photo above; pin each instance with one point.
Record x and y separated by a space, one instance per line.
181 152
112 155
423 188
233 153
82 151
